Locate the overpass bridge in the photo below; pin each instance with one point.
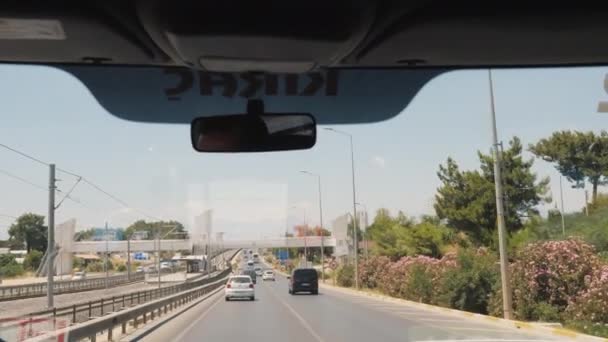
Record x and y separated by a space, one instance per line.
174 245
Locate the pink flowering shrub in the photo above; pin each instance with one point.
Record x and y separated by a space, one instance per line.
591 305
371 271
552 273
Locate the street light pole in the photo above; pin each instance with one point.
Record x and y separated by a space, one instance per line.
106 258
356 242
320 224
500 216
365 237
50 249
561 199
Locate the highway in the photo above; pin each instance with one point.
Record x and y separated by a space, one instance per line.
331 316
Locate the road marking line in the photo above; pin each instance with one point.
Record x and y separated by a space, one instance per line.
300 318
479 329
482 340
196 321
441 320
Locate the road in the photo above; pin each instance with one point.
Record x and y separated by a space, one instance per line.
330 316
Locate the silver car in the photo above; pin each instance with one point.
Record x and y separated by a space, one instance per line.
239 287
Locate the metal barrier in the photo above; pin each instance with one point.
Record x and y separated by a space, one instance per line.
85 311
67 286
136 315
87 320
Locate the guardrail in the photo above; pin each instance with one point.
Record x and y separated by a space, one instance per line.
83 312
65 286
141 313
70 286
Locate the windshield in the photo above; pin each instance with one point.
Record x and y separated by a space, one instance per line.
240 280
424 204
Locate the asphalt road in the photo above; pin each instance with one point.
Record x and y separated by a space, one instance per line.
330 316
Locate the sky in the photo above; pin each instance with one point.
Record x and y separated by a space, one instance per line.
154 170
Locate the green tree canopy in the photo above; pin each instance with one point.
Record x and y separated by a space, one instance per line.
578 156
156 227
29 229
401 235
466 199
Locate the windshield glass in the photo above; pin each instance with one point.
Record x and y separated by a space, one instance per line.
240 280
408 204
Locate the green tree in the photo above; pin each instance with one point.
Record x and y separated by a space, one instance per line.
578 156
32 260
466 199
84 235
400 236
30 230
156 227
9 266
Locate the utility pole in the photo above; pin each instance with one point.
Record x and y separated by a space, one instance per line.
50 249
320 223
355 235
586 204
158 257
105 264
129 258
507 304
561 199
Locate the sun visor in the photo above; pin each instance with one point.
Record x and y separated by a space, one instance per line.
178 95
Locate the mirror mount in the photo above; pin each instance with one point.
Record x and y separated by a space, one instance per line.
255 107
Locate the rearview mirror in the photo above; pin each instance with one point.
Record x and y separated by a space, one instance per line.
254 132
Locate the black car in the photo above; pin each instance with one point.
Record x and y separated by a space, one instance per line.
304 280
250 273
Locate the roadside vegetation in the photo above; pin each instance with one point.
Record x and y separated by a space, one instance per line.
450 259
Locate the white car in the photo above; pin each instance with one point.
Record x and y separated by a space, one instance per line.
268 275
249 262
79 276
239 287
258 271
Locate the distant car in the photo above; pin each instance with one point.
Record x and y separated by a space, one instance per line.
139 269
239 287
79 276
258 271
249 262
268 275
250 273
165 266
256 258
304 280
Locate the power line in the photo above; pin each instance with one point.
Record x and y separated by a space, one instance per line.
79 177
22 180
67 195
24 154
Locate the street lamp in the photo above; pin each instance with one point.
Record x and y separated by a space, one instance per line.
305 226
365 237
320 224
158 246
507 304
352 161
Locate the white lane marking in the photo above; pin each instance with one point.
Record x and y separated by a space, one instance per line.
300 318
480 329
441 320
483 340
196 321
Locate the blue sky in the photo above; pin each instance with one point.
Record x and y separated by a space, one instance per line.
153 168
